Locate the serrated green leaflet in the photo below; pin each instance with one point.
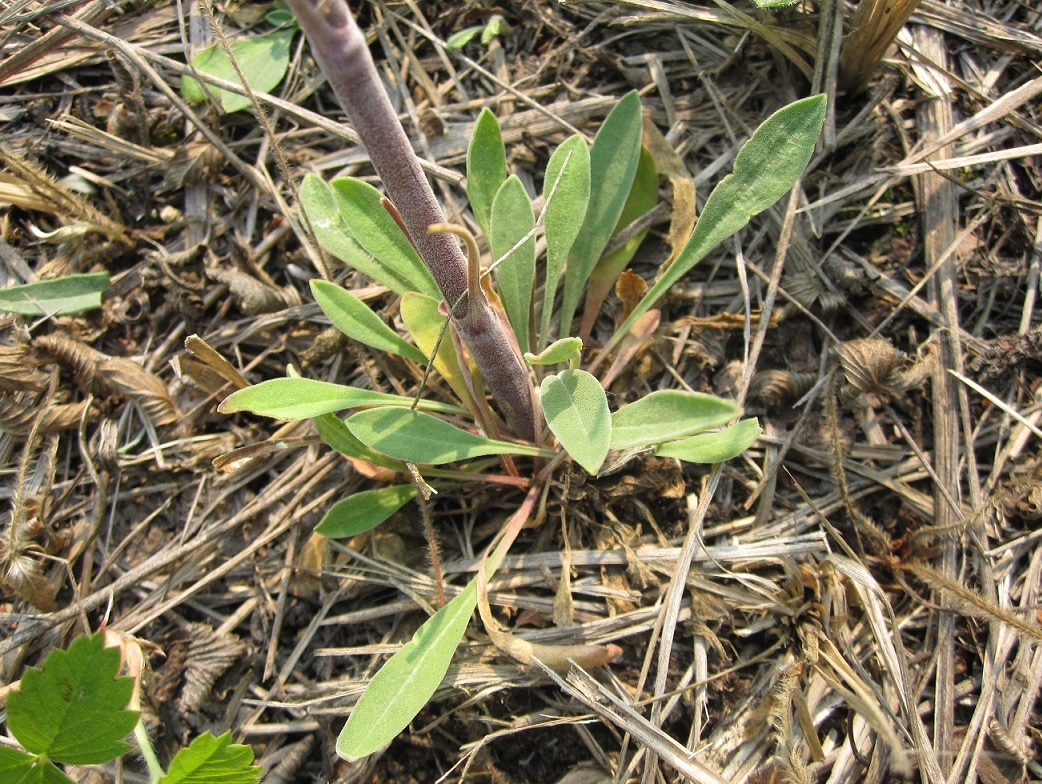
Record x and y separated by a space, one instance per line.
263 59
73 709
356 320
416 437
210 760
767 167
511 222
714 447
332 233
576 409
613 164
562 350
43 772
486 166
364 511
668 414
334 432
566 189
407 680
376 231
61 296
15 765
303 398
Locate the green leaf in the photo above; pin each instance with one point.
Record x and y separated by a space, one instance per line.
512 220
669 414
576 409
643 196
210 760
464 37
332 233
376 231
566 190
334 432
563 350
58 297
416 437
767 167
486 167
364 511
15 765
263 60
407 680
74 709
613 164
714 447
303 398
497 25
356 320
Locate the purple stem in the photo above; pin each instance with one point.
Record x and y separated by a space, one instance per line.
341 51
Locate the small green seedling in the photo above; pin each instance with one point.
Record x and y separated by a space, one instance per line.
263 60
495 26
76 711
504 318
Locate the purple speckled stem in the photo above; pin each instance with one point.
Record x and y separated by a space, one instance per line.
340 49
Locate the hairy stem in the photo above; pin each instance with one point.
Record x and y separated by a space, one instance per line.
341 51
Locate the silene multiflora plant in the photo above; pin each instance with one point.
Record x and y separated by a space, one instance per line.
504 328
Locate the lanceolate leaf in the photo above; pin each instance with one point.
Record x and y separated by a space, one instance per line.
58 297
416 437
210 760
334 432
364 511
643 196
354 318
486 167
714 447
576 409
263 59
303 398
566 190
408 680
424 321
613 163
767 166
377 232
73 710
332 233
512 220
668 414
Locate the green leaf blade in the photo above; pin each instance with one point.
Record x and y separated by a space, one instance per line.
567 196
364 511
213 760
415 437
376 231
576 409
668 414
613 163
714 447
511 222
263 59
58 297
332 430
356 320
407 680
486 167
766 168
74 708
304 398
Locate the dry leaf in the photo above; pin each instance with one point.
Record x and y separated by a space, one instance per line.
668 163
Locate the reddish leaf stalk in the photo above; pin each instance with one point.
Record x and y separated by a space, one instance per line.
341 51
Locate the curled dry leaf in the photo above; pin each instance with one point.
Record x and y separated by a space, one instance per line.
16 373
872 366
209 655
776 388
146 389
18 416
253 296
